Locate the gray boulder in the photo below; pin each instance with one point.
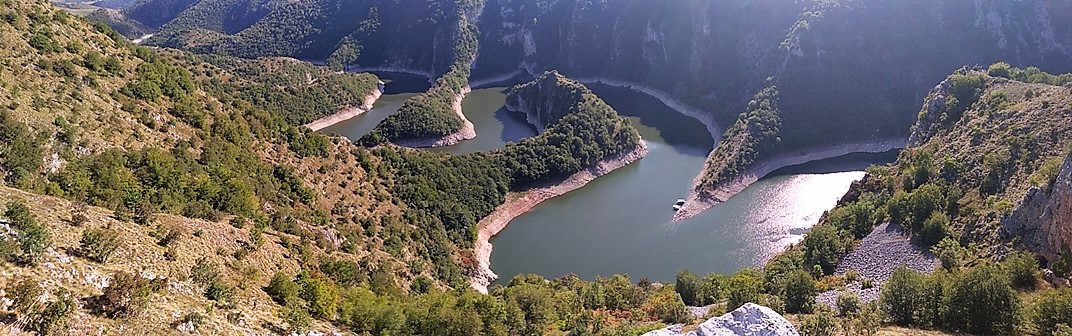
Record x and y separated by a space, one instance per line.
749 320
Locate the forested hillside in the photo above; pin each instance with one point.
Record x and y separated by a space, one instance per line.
859 66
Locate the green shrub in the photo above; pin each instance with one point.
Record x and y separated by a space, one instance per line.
848 304
949 252
194 318
167 234
779 267
1000 69
935 228
867 283
422 285
800 292
687 284
1053 309
34 240
743 287
868 320
852 276
321 296
144 214
204 272
297 319
80 214
933 309
126 296
825 246
19 215
983 302
1063 330
343 272
53 319
220 293
9 249
822 323
282 290
24 294
98 244
900 296
666 306
713 288
1022 269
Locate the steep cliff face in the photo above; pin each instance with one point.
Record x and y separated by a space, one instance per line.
859 66
1043 220
1003 145
713 54
546 99
1057 222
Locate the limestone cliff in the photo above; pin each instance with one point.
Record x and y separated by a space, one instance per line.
546 99
859 66
1043 220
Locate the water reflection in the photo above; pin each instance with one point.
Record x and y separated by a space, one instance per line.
621 223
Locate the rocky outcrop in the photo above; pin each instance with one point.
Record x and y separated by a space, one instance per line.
1043 219
546 99
748 320
933 106
1056 231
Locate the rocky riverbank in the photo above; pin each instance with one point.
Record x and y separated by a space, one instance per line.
519 203
468 131
699 200
347 113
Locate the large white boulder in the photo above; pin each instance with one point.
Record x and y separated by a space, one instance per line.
748 320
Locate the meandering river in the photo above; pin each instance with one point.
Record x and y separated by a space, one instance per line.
621 223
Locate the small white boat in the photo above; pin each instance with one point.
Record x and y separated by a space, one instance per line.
680 202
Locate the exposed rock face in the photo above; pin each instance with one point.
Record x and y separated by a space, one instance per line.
546 99
1056 232
1043 220
748 320
927 125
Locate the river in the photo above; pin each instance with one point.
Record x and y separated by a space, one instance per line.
621 223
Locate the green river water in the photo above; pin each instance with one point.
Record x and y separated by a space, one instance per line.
620 223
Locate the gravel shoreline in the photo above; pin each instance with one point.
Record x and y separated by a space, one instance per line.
346 113
699 200
879 253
